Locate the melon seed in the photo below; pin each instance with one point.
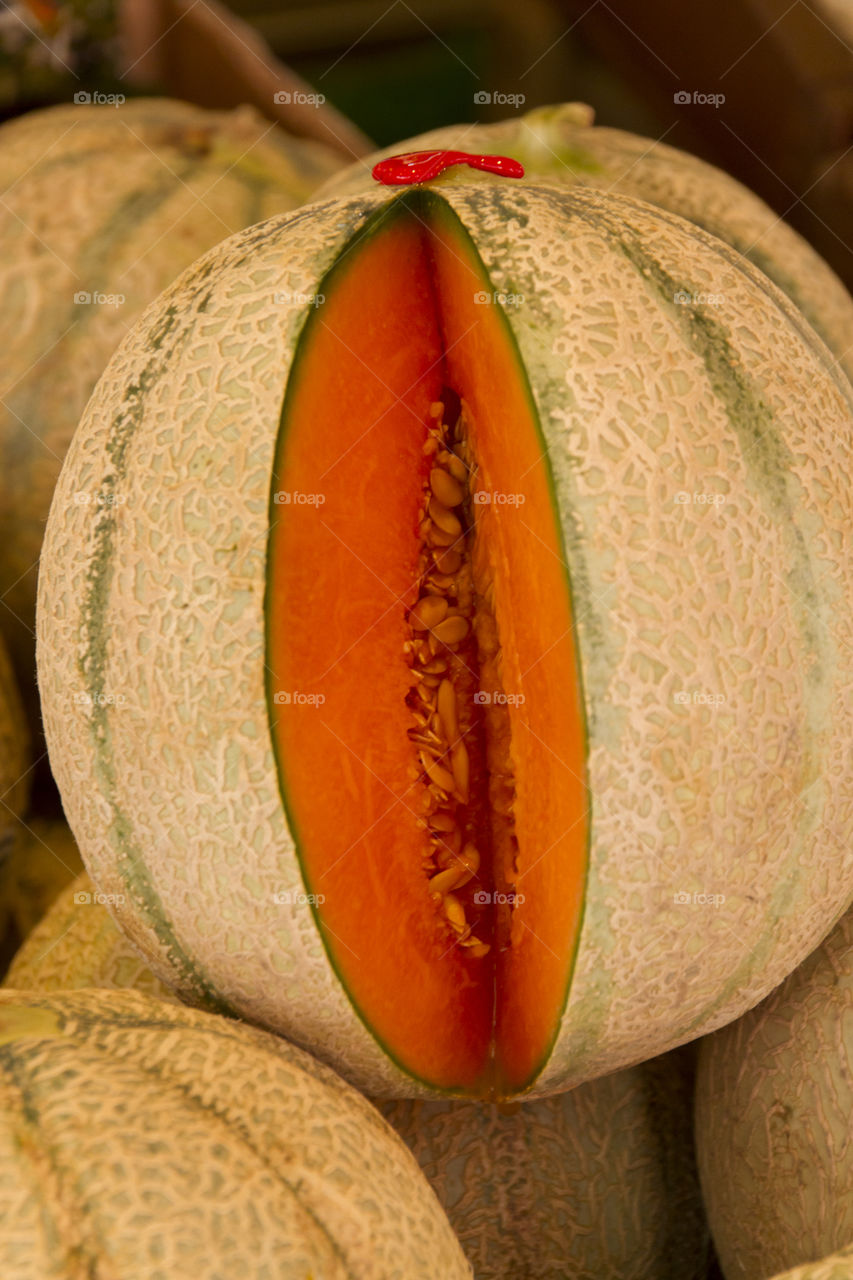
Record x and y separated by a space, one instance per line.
444 519
446 704
442 821
427 612
446 490
449 631
455 913
447 561
475 947
436 772
457 468
444 881
460 765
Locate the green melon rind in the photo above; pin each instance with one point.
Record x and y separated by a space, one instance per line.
598 1183
774 1096
77 944
116 201
179 810
560 144
142 1139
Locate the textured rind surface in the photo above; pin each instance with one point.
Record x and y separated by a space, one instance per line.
143 1140
598 1183
78 945
774 1097
14 755
560 144
44 859
838 1267
714 637
117 202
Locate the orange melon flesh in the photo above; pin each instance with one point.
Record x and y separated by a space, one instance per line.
399 323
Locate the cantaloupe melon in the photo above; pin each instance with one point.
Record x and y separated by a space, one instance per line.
561 144
102 208
149 1142
77 944
14 756
462 651
774 1100
598 1183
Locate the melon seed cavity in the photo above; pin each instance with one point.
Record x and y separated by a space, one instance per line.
461 741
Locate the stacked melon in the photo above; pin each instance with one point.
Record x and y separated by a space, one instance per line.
444 647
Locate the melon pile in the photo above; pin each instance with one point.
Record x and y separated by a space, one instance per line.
445 650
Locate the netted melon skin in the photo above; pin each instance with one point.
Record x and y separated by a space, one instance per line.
142 1140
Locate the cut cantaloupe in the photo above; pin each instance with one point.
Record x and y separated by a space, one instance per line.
405 347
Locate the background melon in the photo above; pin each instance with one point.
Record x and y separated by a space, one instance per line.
14 756
77 944
598 1183
686 466
774 1097
561 144
140 1139
102 208
838 1267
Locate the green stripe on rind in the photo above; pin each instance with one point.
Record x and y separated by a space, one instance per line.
94 610
426 207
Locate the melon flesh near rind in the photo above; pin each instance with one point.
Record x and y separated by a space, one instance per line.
14 752
838 1267
143 1140
598 1183
639 399
78 945
560 144
116 203
774 1097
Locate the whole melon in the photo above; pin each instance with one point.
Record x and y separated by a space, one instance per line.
14 756
561 144
452 668
143 1140
598 1183
78 945
102 208
774 1097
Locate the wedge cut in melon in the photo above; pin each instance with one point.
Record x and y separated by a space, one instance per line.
405 329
